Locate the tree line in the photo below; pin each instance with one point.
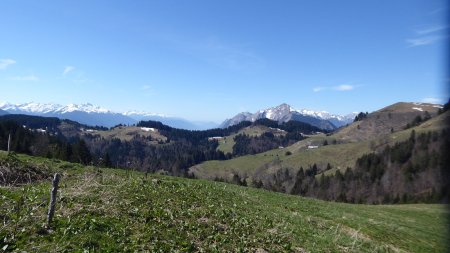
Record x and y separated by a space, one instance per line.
415 170
32 142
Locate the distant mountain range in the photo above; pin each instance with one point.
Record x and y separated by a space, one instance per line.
285 113
90 114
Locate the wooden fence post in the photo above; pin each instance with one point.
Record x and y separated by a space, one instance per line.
9 142
51 208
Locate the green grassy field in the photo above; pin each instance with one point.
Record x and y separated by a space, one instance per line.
112 210
341 156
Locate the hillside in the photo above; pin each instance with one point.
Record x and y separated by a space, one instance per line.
124 133
226 143
150 148
343 150
149 145
116 210
392 118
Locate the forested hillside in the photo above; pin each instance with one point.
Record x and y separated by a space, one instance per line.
415 170
149 146
40 137
395 155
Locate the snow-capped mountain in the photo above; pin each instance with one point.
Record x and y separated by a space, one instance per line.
337 120
84 113
31 108
90 114
285 112
328 116
141 114
89 108
40 108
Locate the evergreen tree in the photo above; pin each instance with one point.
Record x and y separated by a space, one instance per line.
106 162
236 179
244 182
81 152
297 188
257 183
360 116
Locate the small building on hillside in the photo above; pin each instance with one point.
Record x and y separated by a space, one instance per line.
215 138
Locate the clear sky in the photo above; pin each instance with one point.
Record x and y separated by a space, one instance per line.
208 60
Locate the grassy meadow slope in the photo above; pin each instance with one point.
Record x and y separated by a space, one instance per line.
343 149
128 133
123 133
115 210
226 144
386 120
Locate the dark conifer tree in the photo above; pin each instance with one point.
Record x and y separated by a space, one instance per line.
106 160
81 153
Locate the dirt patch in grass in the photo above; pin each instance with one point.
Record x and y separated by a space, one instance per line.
14 172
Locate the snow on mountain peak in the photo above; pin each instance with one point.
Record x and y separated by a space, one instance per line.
276 112
42 108
87 113
144 114
284 112
285 108
29 107
282 107
86 107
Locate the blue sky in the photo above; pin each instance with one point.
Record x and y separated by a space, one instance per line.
208 60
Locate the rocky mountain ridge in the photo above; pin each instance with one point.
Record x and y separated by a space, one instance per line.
285 112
